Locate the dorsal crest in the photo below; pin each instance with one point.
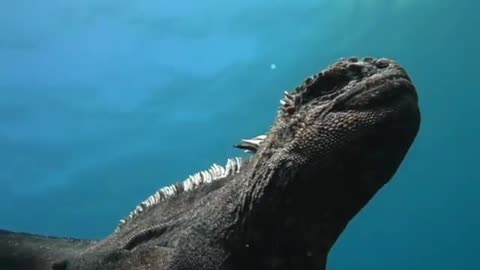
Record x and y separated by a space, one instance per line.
215 173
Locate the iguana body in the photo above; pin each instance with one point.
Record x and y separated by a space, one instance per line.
337 140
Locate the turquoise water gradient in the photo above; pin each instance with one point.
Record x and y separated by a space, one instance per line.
102 102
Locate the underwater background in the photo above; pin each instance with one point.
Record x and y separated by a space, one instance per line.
102 102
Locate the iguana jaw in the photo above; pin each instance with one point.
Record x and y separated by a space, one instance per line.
388 85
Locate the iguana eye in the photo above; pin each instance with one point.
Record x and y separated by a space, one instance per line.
326 84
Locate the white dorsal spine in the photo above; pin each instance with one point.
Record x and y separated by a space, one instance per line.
216 172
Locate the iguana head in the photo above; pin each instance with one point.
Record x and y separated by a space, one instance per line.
338 138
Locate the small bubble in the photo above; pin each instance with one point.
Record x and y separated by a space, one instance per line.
273 66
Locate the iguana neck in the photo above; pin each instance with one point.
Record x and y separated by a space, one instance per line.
294 209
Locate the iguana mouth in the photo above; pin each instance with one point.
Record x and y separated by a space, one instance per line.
380 89
353 71
368 83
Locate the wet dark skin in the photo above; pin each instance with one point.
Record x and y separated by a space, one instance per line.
338 138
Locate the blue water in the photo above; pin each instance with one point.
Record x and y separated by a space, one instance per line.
102 102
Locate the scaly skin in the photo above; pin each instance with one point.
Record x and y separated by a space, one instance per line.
337 140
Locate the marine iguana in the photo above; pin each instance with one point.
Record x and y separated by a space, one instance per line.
338 138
